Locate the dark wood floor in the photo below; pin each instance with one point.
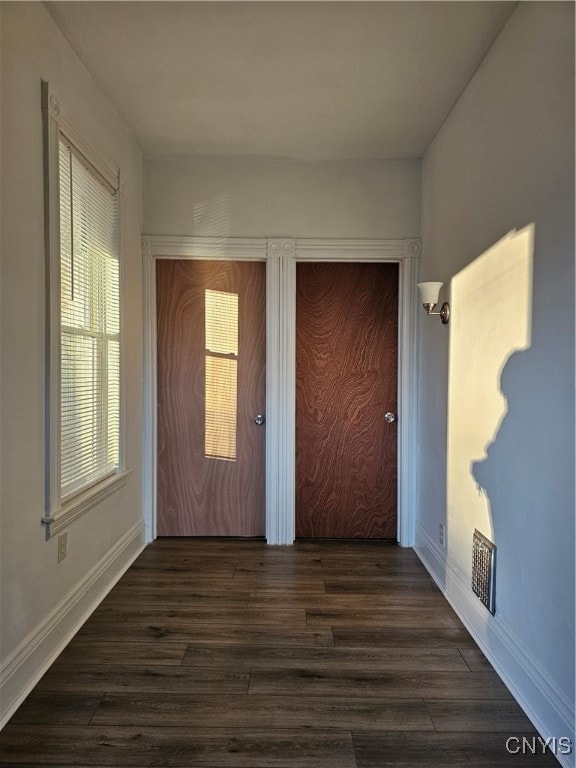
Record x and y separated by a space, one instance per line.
231 653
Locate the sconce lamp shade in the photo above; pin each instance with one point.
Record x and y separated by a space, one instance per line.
429 292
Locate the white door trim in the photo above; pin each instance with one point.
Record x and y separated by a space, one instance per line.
281 255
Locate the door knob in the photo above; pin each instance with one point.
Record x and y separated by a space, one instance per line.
259 419
390 417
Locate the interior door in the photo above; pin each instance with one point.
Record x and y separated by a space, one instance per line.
346 383
211 318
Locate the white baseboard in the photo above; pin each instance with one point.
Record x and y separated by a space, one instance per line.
550 711
24 667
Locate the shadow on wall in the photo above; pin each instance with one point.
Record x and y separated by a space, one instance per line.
515 447
492 323
510 459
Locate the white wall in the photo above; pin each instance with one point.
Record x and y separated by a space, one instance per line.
36 590
497 400
271 197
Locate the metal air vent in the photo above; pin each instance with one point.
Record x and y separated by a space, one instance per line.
484 570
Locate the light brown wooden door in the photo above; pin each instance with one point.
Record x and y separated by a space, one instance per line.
211 319
346 381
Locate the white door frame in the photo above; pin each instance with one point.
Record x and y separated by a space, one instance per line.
281 255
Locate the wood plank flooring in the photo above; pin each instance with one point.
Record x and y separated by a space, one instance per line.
228 653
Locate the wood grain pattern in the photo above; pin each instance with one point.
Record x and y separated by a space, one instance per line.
332 571
395 585
58 708
263 712
158 596
381 617
475 659
422 750
112 652
351 659
309 601
178 747
254 687
97 675
198 495
173 632
404 637
317 681
477 716
181 616
346 380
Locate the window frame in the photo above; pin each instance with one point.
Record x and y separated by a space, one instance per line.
60 512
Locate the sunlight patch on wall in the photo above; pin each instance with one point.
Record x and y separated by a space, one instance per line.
491 318
221 393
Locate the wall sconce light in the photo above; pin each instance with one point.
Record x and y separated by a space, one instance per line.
429 295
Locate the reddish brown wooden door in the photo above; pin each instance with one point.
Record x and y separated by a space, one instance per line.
346 380
211 319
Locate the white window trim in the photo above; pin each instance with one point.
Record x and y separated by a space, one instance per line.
281 255
60 513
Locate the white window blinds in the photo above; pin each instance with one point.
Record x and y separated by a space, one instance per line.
90 325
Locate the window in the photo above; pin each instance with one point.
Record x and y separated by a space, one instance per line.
84 344
89 325
221 392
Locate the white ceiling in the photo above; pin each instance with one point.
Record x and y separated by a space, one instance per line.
295 79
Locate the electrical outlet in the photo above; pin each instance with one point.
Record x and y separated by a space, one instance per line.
441 534
62 546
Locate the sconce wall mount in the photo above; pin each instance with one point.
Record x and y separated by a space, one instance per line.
429 294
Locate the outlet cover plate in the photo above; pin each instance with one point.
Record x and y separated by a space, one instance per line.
62 546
